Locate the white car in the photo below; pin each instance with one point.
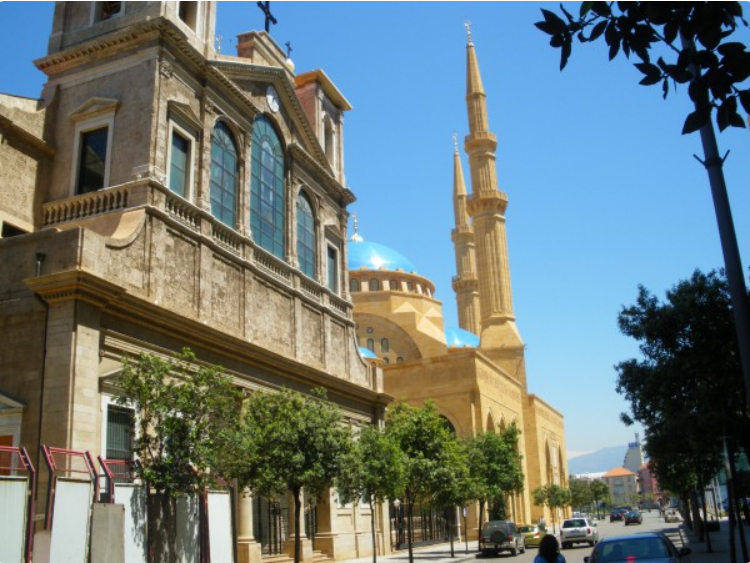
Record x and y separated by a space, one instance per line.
578 530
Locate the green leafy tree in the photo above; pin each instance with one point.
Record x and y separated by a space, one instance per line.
554 497
580 493
599 491
495 465
288 442
456 487
421 436
373 470
717 67
186 411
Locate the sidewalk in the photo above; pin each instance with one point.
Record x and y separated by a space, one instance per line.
437 553
719 544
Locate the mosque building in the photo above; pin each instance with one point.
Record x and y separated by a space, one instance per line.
474 372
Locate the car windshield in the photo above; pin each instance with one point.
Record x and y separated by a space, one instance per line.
635 549
574 524
527 529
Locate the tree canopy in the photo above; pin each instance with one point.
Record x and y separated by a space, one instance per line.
661 35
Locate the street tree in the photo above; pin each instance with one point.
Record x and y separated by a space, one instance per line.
186 411
289 442
554 497
717 67
456 487
599 491
373 470
580 493
495 465
421 436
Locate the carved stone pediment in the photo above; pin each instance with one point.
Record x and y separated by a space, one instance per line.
95 107
185 113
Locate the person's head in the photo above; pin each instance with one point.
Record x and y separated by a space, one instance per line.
549 548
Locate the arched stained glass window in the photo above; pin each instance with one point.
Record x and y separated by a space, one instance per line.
267 188
385 345
224 175
371 345
306 236
374 285
353 285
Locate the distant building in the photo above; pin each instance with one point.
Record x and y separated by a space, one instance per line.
623 485
648 486
634 456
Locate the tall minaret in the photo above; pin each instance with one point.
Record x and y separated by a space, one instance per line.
486 206
465 282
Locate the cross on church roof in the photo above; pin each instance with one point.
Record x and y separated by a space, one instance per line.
467 25
289 49
266 9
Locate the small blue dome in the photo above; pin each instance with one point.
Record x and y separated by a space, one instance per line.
367 353
460 338
374 256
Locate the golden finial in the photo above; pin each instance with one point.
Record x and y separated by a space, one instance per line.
219 39
455 142
355 237
467 25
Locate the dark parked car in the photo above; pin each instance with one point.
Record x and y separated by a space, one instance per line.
616 514
501 535
633 517
650 546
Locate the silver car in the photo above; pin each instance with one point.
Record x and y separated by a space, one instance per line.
578 530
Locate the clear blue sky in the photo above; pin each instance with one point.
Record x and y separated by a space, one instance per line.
604 191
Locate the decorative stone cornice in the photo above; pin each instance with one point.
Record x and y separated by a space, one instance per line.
335 190
465 283
464 234
488 203
76 285
16 133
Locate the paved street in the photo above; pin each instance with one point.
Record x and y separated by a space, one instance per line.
651 522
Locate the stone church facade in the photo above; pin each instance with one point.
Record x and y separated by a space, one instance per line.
475 373
162 195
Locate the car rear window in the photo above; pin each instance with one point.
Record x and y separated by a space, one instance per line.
574 523
492 526
526 529
638 549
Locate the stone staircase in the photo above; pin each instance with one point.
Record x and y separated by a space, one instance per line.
318 557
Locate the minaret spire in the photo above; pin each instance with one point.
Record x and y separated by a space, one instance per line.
486 207
465 282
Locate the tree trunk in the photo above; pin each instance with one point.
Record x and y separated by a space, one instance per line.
409 506
479 526
452 526
698 528
297 510
372 529
705 520
466 530
733 504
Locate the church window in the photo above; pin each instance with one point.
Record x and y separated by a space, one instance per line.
305 236
353 285
179 164
108 10
371 345
386 360
374 285
333 269
120 430
92 161
224 175
399 360
393 284
188 13
370 330
267 198
385 346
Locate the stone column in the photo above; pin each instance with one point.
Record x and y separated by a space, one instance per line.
327 536
248 550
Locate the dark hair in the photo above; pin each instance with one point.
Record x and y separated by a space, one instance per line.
549 548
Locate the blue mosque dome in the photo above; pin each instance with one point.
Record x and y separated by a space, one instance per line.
460 338
374 256
366 353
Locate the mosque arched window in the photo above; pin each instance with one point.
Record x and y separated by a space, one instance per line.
353 285
374 285
371 345
385 346
306 236
410 286
224 175
399 360
393 285
267 199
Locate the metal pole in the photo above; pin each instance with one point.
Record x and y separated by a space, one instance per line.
732 263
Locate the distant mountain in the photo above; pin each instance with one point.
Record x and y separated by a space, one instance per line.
600 460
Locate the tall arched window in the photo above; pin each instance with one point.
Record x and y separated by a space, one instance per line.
224 175
385 345
371 345
267 188
353 285
374 285
305 236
